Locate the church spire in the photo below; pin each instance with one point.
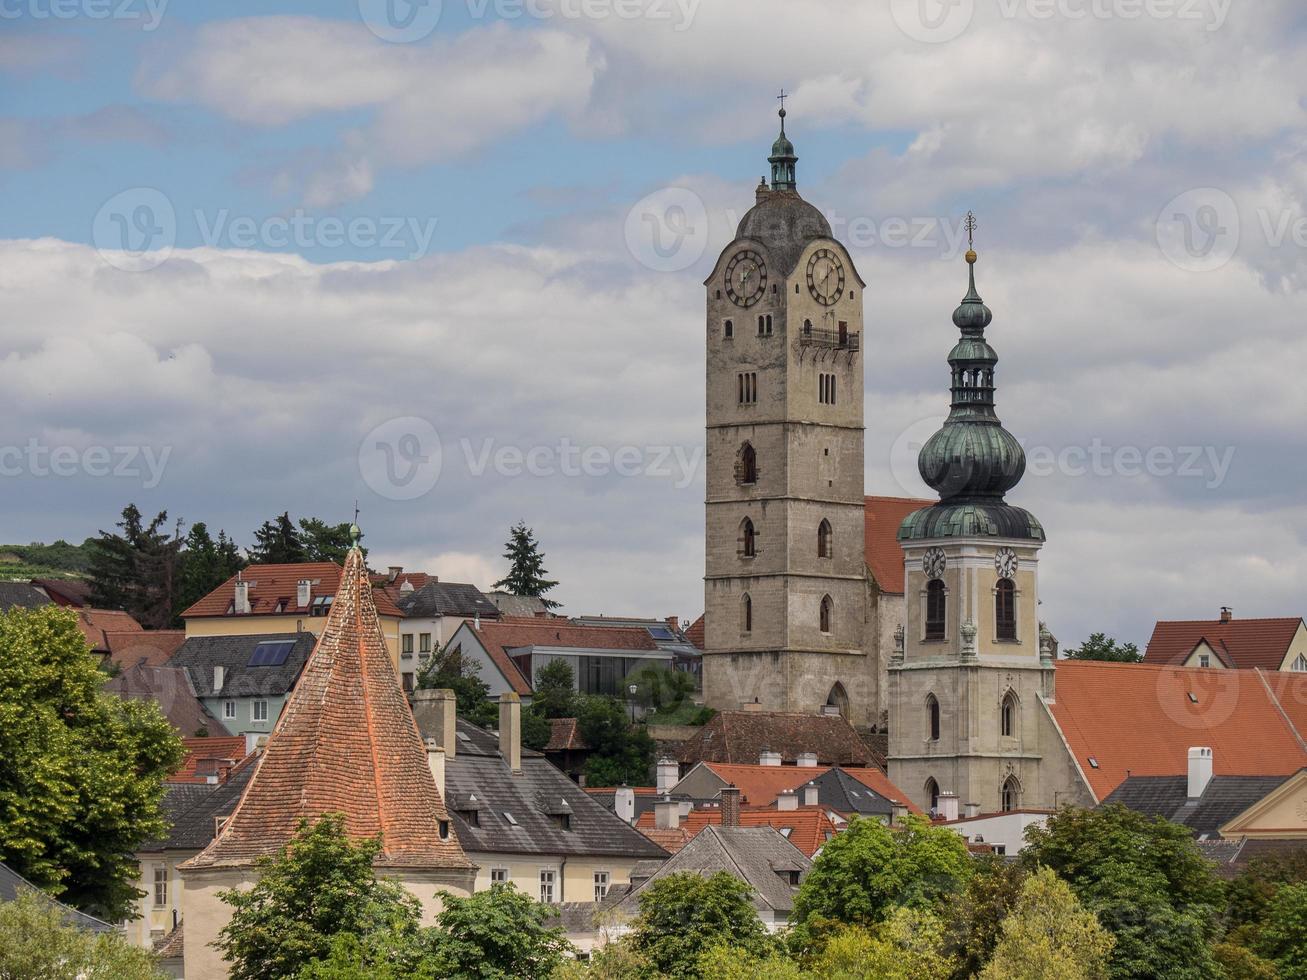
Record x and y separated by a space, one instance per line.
782 157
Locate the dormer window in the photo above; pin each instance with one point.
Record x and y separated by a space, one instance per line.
563 821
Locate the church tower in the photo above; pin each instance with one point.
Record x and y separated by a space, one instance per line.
785 591
972 661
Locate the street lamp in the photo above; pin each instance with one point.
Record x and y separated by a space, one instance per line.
632 689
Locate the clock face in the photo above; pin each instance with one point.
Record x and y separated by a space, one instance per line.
825 276
1005 563
933 562
746 278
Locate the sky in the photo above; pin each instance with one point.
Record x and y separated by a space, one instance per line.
446 260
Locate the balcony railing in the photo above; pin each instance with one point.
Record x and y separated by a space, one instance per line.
836 339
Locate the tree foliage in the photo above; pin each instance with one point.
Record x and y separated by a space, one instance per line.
555 690
137 570
526 573
450 670
619 751
683 915
81 771
1049 935
662 689
1100 646
36 942
1284 938
205 564
976 920
496 935
278 542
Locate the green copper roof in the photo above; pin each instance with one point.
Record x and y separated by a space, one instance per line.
782 160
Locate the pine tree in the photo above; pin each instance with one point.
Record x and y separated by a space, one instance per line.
326 542
137 570
526 574
278 543
205 564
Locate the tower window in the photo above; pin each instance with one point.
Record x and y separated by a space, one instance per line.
932 717
807 328
748 465
746 614
826 389
824 540
1008 715
932 794
1005 609
764 325
747 387
728 329
936 604
824 615
748 539
1011 794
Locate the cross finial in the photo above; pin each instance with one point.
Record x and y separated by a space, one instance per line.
356 510
971 229
782 97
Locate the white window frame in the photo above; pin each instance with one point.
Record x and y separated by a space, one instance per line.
229 711
603 880
1299 664
406 644
1204 660
499 876
548 883
160 886
424 643
259 710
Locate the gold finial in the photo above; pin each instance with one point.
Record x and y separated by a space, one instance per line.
970 225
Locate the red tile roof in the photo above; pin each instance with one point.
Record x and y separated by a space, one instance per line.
694 632
395 590
739 737
1290 692
884 556
514 633
346 743
1245 643
1142 720
876 781
154 648
274 589
809 826
204 756
65 591
565 735
96 623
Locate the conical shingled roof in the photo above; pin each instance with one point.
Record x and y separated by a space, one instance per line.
346 742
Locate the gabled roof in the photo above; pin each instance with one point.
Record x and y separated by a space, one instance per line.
517 634
1141 720
200 654
22 595
12 884
170 689
97 624
436 599
1248 643
477 779
1168 796
274 590
808 828
193 810
518 605
760 785
864 791
346 743
694 632
565 736
883 515
154 648
205 757
503 663
739 737
65 591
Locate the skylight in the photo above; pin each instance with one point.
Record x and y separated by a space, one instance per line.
271 653
661 633
1093 762
512 821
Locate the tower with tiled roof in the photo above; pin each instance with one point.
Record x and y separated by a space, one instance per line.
346 743
785 591
965 683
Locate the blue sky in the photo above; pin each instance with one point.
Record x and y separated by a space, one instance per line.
472 204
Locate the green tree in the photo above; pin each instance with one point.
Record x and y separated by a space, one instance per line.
619 752
35 942
318 887
138 570
277 542
526 574
1284 939
866 872
81 771
976 919
1050 936
662 689
729 963
326 542
555 690
908 945
683 915
450 670
496 935
1100 646
1249 895
1240 963
205 564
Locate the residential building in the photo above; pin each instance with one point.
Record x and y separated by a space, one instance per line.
1226 642
1002 833
667 633
519 606
432 614
806 827
347 714
21 595
207 759
763 785
153 648
566 749
171 689
244 680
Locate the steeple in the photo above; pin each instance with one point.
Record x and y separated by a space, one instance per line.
782 157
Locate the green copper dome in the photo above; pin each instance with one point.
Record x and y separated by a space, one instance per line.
972 461
782 161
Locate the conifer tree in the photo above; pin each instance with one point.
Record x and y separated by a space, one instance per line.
137 570
277 542
526 573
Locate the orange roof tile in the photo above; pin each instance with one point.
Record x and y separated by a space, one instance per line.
273 589
1243 643
346 742
884 556
565 735
1142 720
95 623
514 633
694 632
154 648
739 737
879 783
204 756
807 827
1290 693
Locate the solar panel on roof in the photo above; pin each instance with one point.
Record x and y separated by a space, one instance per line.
661 633
271 653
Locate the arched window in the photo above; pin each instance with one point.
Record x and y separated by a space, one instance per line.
1005 609
729 330
746 613
807 328
936 604
1299 665
932 717
1011 794
748 539
932 794
824 542
824 616
838 699
1008 715
748 464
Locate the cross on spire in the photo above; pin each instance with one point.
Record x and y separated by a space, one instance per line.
782 97
971 228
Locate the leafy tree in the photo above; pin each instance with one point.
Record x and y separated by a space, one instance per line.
496 934
619 752
555 690
1050 936
277 542
866 872
318 887
1284 939
137 570
906 946
36 942
729 963
615 960
1100 646
976 919
1240 963
683 915
205 564
662 689
1250 894
326 542
448 669
81 771
526 573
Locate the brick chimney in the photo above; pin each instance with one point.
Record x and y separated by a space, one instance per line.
436 712
948 805
731 806
240 604
510 730
667 813
754 705
769 758
394 572
898 812
219 675
1227 614
807 760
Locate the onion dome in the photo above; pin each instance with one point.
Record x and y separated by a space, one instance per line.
972 462
782 160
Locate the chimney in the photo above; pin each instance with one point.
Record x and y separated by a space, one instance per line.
811 795
304 593
395 572
241 602
1227 614
807 760
436 712
669 774
476 620
972 810
787 800
624 803
1200 771
436 763
731 806
769 758
510 729
674 623
948 805
219 675
667 813
754 705
898 812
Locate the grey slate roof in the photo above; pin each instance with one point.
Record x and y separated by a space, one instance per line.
193 808
447 599
1167 796
12 884
837 790
200 654
758 856
532 796
21 594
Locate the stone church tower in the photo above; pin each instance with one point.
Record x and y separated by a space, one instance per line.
973 662
785 589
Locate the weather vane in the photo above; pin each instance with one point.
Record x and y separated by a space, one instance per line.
971 229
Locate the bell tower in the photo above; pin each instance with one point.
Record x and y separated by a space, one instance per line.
972 660
785 589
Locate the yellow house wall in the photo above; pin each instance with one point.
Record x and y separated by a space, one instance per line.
1195 658
155 921
576 875
254 625
1297 648
1284 815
